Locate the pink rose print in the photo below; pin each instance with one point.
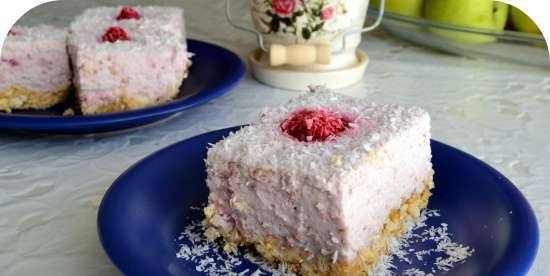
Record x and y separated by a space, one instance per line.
327 13
284 8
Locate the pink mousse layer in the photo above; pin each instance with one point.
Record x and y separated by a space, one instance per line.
327 198
35 58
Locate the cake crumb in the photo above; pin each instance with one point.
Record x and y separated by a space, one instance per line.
335 257
69 112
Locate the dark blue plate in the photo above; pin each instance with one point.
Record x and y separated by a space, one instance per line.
147 208
214 72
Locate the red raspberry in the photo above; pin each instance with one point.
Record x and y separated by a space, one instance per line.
128 13
114 34
315 125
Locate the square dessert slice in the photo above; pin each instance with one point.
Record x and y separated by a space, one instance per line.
323 184
169 19
34 68
117 69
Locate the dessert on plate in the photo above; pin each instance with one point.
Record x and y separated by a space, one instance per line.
34 68
125 58
323 184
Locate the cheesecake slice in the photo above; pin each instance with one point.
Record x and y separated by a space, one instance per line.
127 58
322 184
34 68
118 70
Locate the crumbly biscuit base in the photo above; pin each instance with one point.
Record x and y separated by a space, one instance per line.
128 101
297 260
16 97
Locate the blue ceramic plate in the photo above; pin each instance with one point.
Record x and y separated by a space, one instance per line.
214 72
147 208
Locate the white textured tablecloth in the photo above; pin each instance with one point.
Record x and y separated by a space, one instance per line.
50 187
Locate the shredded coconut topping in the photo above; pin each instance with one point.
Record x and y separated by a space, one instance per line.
35 33
158 27
262 144
212 260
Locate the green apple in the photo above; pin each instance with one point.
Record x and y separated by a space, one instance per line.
402 7
522 22
483 14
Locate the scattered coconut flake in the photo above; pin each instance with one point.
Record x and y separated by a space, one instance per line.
442 253
211 259
445 252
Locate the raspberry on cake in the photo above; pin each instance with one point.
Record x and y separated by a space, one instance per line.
118 69
323 184
169 19
34 68
128 13
114 34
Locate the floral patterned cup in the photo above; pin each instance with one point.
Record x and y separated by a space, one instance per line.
322 27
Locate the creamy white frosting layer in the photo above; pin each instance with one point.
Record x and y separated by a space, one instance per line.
327 198
169 19
35 58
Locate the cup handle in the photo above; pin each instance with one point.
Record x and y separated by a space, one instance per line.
364 29
378 19
258 35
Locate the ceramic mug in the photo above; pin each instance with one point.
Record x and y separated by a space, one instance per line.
309 32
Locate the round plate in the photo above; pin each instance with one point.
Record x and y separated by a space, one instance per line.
147 208
214 72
